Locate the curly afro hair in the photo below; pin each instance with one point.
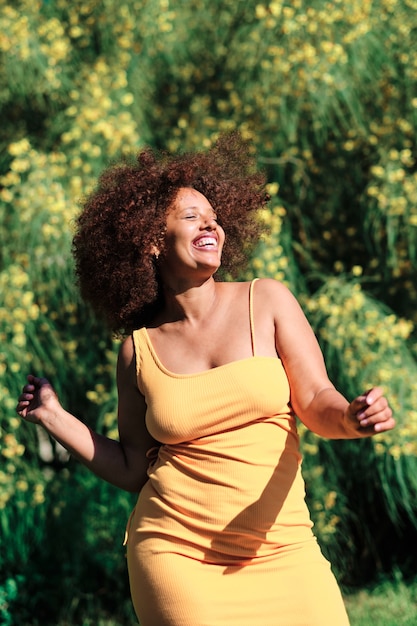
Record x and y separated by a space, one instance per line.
125 216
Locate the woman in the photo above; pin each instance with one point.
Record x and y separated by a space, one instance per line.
210 377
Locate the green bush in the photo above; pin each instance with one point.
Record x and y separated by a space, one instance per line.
325 92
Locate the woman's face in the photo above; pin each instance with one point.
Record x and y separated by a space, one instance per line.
194 240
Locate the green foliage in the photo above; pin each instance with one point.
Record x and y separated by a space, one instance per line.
8 593
392 602
326 93
67 561
363 342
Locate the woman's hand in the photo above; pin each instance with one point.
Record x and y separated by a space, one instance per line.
122 463
372 411
37 401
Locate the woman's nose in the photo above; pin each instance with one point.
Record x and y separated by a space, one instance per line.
209 223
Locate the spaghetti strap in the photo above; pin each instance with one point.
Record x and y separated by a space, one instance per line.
252 326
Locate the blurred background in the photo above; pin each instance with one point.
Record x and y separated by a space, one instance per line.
326 94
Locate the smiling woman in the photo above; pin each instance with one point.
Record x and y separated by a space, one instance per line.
210 377
125 218
193 237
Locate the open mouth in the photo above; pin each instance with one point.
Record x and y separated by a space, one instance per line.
206 242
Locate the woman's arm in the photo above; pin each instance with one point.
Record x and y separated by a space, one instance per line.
122 463
314 398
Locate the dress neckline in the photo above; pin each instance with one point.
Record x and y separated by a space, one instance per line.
217 368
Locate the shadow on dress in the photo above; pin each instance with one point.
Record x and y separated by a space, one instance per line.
261 515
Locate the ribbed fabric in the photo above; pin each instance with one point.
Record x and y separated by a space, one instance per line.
221 535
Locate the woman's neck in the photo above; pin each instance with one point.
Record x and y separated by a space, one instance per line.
190 303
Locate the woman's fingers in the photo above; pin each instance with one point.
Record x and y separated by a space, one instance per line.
372 410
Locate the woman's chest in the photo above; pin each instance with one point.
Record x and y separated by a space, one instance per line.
192 349
185 407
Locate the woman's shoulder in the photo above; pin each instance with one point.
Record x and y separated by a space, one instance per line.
264 282
260 285
269 292
126 349
270 287
276 298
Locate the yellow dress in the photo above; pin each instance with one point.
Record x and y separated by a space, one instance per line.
221 535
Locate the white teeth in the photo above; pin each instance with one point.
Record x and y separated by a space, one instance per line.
205 241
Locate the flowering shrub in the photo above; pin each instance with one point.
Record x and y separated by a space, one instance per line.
324 91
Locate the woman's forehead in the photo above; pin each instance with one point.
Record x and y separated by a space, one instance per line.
189 197
189 192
